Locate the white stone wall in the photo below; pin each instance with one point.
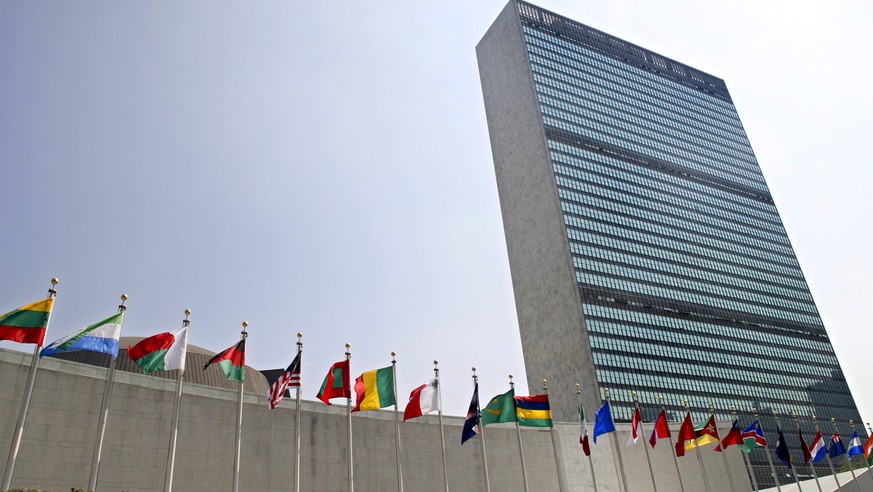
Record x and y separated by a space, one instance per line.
61 428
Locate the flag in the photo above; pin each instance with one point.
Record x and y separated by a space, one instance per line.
533 411
782 448
636 427
818 450
661 429
583 433
27 323
603 422
471 424
753 437
686 433
101 337
375 389
289 378
705 433
835 448
855 445
500 409
232 361
422 401
161 352
336 383
807 454
868 450
734 436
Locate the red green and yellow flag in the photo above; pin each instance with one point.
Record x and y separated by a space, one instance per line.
706 433
375 389
27 323
232 361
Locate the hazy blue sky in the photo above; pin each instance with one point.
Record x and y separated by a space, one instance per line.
325 167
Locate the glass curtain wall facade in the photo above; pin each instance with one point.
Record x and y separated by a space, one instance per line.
688 282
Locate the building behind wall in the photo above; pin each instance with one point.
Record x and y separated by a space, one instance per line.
646 251
58 442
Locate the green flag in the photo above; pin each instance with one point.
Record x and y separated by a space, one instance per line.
500 409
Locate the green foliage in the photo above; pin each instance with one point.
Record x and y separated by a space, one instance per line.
849 464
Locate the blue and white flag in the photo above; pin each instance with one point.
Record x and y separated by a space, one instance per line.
855 446
100 337
603 422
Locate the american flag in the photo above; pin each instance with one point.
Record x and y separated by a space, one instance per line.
290 378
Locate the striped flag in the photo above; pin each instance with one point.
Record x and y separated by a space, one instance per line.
533 411
583 433
27 323
101 337
289 378
636 427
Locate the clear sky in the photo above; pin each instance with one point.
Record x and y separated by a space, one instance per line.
325 167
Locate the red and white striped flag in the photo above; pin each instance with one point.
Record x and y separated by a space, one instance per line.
636 427
422 401
290 378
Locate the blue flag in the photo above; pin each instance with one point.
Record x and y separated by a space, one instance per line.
782 448
835 447
603 422
471 425
855 446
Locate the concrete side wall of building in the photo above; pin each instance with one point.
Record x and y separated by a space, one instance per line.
61 430
553 334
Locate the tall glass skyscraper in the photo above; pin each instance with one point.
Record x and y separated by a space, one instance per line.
646 252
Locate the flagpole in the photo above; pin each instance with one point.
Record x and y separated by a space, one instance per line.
851 468
827 455
746 462
648 458
436 372
559 465
481 431
581 415
697 452
811 465
297 423
723 451
614 439
25 402
397 449
104 412
767 452
672 446
239 411
793 471
177 410
869 434
349 413
520 448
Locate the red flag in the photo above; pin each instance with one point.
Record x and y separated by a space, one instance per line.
636 427
336 383
661 429
734 437
807 454
686 433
